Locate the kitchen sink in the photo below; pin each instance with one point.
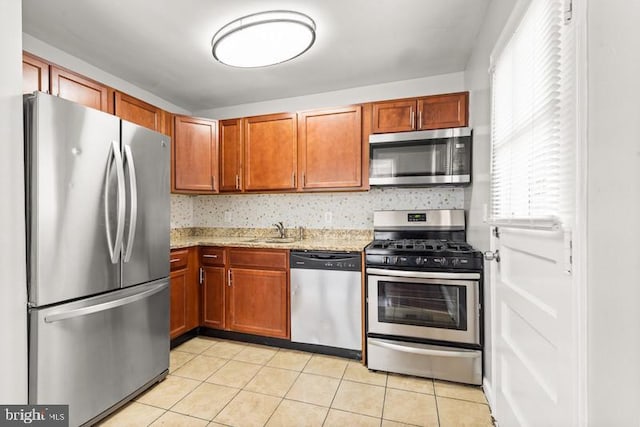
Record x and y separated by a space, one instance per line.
273 240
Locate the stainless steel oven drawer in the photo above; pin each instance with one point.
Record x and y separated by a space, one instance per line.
424 360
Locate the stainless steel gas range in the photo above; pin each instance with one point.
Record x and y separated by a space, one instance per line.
424 293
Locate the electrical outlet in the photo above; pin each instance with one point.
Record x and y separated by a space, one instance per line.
328 218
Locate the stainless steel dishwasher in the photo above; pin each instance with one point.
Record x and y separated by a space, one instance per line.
326 299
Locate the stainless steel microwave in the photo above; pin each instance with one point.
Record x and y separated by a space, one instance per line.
420 158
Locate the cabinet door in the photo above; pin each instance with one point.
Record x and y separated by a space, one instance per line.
394 116
195 160
258 302
230 155
270 152
73 87
213 293
138 112
330 148
178 313
35 74
443 111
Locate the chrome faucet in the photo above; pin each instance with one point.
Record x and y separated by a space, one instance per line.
280 227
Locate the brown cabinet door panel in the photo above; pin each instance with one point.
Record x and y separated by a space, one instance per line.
259 258
394 116
35 74
230 155
178 303
212 256
213 294
195 154
270 152
330 148
179 259
258 302
443 111
138 112
73 87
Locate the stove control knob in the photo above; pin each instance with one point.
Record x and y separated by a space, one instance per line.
419 261
441 261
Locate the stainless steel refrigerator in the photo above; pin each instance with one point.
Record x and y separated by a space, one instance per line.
97 256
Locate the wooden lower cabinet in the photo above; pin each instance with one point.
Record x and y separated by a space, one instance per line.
183 290
257 302
213 293
245 290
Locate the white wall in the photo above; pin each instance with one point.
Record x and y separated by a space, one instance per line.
444 83
13 288
66 60
613 213
476 197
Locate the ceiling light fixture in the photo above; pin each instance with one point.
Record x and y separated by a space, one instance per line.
264 38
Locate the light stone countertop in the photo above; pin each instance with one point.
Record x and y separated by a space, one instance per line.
327 240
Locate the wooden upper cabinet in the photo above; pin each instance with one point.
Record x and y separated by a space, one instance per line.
139 112
71 86
443 111
330 148
230 132
35 74
195 155
270 146
394 116
428 112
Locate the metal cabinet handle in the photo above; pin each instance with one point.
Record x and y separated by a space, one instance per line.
229 278
304 179
213 182
201 275
133 194
293 179
237 182
209 256
413 117
419 119
174 260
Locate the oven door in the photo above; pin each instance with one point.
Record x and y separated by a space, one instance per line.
428 305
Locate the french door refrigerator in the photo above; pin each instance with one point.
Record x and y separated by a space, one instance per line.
97 255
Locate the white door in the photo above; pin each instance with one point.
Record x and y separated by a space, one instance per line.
534 330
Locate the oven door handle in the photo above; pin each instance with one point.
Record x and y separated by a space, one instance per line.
422 274
423 351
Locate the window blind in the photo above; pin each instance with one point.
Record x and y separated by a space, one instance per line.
533 121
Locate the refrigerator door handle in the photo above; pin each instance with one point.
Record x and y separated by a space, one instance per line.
114 251
133 194
109 305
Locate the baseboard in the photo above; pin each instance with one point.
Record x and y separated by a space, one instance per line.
488 392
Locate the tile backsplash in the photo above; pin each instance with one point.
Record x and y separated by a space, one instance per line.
311 210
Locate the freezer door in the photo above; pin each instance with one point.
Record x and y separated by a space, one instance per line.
146 238
93 353
72 160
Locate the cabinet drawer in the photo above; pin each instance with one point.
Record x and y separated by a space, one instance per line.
211 256
179 259
259 258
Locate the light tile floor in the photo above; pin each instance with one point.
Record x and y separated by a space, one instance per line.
216 382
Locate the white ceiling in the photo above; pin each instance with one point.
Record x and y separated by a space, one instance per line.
163 46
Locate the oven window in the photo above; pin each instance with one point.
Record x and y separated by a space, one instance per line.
436 306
